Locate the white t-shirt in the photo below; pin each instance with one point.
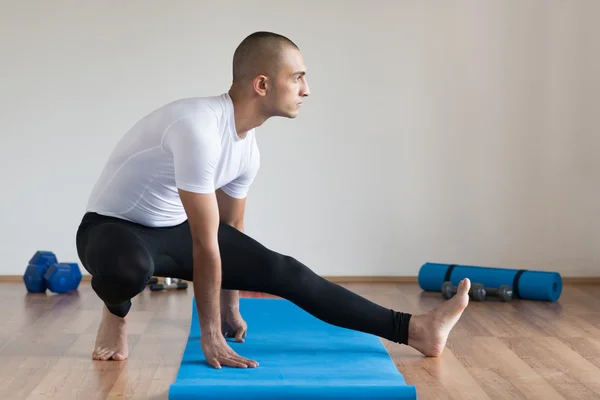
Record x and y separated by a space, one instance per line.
189 144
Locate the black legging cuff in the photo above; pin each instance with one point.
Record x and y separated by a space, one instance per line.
402 321
120 310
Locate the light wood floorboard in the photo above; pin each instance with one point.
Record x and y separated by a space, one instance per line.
518 350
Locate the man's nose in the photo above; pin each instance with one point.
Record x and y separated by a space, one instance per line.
306 91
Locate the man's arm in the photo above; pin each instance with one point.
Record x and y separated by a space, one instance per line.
203 216
194 145
231 212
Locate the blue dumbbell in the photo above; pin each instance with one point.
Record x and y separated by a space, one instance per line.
45 272
62 277
37 267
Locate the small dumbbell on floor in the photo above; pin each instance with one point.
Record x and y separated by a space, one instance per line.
168 284
504 293
449 290
44 272
478 292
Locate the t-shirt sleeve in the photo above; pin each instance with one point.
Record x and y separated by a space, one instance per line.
240 186
195 149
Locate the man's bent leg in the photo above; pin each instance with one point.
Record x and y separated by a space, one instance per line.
119 262
120 265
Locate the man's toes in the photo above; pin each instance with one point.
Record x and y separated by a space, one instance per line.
97 353
103 354
464 285
118 357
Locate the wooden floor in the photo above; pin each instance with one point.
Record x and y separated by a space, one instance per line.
519 350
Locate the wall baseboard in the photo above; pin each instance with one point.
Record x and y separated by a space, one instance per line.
360 279
414 279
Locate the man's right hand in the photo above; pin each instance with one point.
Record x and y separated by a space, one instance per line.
218 353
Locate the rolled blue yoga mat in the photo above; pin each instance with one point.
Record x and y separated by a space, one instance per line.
300 357
526 284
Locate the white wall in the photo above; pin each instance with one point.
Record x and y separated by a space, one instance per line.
463 131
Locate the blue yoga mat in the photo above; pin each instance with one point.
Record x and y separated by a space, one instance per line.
300 357
526 284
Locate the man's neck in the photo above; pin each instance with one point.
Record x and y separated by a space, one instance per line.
247 113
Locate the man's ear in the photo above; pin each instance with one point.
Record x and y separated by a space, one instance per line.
261 85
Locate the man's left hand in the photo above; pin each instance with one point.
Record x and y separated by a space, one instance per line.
233 326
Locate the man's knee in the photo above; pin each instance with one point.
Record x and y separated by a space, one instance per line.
284 269
118 261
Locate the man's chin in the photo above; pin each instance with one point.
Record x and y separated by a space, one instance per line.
293 114
287 113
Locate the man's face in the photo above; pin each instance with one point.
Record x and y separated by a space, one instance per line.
289 86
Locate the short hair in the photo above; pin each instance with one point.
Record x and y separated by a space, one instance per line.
259 53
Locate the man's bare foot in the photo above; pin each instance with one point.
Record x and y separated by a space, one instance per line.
111 342
428 332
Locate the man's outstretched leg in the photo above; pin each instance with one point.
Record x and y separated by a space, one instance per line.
248 265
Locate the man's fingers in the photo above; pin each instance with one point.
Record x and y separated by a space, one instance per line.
215 363
239 336
248 362
234 362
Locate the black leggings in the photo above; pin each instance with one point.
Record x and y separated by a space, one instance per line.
122 256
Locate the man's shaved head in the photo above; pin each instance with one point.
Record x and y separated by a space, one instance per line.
259 53
269 79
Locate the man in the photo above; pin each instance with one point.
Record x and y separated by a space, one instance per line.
171 200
